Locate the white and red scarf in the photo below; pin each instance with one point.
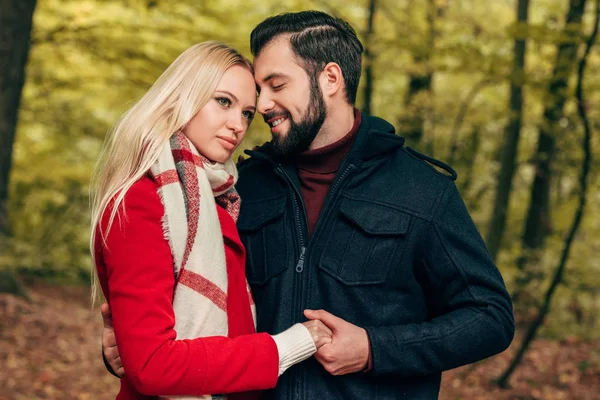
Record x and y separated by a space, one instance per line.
189 187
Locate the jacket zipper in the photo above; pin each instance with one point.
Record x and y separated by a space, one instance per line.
339 181
298 203
331 195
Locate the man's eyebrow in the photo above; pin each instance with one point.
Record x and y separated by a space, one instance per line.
271 77
275 75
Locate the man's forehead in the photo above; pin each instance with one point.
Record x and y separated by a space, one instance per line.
275 60
278 43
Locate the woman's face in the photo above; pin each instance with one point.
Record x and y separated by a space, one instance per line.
219 127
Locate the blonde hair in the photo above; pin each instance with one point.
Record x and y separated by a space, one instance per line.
134 143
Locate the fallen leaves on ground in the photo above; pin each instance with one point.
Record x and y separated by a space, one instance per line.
50 349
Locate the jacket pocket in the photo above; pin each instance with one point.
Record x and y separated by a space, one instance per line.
364 241
262 232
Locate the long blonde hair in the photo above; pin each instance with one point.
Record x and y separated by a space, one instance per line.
134 143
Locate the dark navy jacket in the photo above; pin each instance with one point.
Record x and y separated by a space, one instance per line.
394 251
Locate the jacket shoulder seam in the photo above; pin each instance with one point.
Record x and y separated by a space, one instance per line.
432 163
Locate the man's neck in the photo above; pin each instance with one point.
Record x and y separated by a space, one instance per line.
338 123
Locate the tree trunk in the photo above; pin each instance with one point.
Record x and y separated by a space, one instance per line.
10 284
16 19
538 223
473 142
369 59
411 124
511 136
585 169
460 118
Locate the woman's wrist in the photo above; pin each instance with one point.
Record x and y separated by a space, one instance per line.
294 345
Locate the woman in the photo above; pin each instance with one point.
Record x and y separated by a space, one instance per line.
167 253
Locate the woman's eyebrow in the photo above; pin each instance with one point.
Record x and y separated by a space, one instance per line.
228 93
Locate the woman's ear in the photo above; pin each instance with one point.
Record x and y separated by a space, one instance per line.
331 80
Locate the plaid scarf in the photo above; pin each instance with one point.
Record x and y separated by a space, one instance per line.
189 186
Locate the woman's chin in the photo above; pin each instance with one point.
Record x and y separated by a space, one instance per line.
222 157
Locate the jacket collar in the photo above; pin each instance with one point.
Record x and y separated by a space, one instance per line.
375 137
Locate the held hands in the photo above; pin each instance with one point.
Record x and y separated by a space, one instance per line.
342 348
348 349
319 332
109 342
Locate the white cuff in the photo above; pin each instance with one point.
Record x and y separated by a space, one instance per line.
294 345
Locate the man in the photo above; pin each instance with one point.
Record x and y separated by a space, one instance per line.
338 215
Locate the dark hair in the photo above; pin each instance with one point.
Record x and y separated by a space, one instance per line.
317 39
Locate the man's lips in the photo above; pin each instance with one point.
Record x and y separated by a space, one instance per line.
271 119
275 122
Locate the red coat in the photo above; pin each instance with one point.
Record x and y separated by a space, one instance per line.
136 274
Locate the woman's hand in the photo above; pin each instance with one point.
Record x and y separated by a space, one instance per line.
109 343
319 332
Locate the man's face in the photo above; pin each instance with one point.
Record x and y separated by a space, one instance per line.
290 102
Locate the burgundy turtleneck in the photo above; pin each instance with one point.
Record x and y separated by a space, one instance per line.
317 169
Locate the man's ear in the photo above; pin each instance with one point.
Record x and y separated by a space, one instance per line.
331 80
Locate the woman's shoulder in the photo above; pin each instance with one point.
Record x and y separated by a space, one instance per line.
140 201
144 191
144 188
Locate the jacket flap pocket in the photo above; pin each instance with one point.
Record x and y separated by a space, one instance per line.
376 219
349 274
257 214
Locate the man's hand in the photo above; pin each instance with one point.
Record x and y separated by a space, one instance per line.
319 332
109 342
348 351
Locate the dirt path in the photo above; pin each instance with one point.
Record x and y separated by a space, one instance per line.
50 349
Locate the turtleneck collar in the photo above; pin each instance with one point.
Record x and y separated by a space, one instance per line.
328 159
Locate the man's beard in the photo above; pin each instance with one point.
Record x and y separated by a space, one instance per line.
301 134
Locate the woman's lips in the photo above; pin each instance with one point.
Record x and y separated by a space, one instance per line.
228 143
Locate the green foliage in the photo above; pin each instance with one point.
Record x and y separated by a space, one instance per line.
91 59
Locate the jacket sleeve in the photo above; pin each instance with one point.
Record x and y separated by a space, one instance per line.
472 311
140 286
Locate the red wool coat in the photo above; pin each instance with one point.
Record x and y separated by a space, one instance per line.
135 268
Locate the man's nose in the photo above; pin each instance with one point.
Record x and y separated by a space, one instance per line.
265 103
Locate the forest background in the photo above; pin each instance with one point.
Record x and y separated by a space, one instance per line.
506 91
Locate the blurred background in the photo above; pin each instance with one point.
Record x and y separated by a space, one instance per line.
506 91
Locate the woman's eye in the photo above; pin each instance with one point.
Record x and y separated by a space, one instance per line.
224 101
248 115
277 87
